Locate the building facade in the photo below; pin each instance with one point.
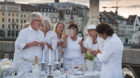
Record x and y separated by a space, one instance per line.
12 18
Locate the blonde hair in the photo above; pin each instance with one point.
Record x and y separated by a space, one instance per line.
47 24
56 25
26 25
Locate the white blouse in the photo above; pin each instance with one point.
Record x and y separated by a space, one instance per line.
73 52
51 38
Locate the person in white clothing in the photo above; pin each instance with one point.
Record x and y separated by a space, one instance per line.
111 57
93 47
59 29
31 42
17 55
50 40
73 51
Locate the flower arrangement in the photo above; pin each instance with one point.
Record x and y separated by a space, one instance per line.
88 56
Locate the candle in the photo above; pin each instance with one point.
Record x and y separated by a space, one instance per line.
43 60
56 55
50 56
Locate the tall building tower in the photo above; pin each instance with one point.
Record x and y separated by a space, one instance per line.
93 14
56 1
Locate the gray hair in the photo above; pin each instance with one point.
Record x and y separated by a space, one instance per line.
47 24
34 16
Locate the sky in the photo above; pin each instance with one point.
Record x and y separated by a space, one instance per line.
127 7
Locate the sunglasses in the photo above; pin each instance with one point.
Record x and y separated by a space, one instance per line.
73 28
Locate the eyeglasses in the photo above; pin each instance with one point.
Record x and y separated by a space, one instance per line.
38 20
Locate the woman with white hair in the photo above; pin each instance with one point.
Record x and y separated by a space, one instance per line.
50 40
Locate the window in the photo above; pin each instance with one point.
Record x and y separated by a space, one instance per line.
41 9
13 20
9 26
13 26
21 21
17 33
21 26
17 15
13 14
17 27
9 14
2 19
24 21
3 26
9 33
25 16
16 20
9 20
12 33
45 10
2 14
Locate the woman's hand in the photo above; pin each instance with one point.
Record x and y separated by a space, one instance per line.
94 52
65 41
60 43
49 45
81 43
83 49
65 37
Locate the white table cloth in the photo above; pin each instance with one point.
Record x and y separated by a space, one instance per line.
86 75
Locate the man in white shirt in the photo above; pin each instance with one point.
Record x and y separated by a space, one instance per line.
111 57
30 41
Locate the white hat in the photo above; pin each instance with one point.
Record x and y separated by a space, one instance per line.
91 27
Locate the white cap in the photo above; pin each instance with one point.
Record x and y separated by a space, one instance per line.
91 27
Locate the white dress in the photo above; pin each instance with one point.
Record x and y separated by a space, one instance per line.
111 58
72 53
51 38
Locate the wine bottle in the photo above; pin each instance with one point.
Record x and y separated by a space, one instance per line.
36 60
36 68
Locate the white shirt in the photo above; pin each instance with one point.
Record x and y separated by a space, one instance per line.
111 58
73 52
17 59
51 38
28 35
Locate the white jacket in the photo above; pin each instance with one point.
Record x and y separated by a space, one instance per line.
111 58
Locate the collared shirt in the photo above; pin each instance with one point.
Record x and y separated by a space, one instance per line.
111 58
29 35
